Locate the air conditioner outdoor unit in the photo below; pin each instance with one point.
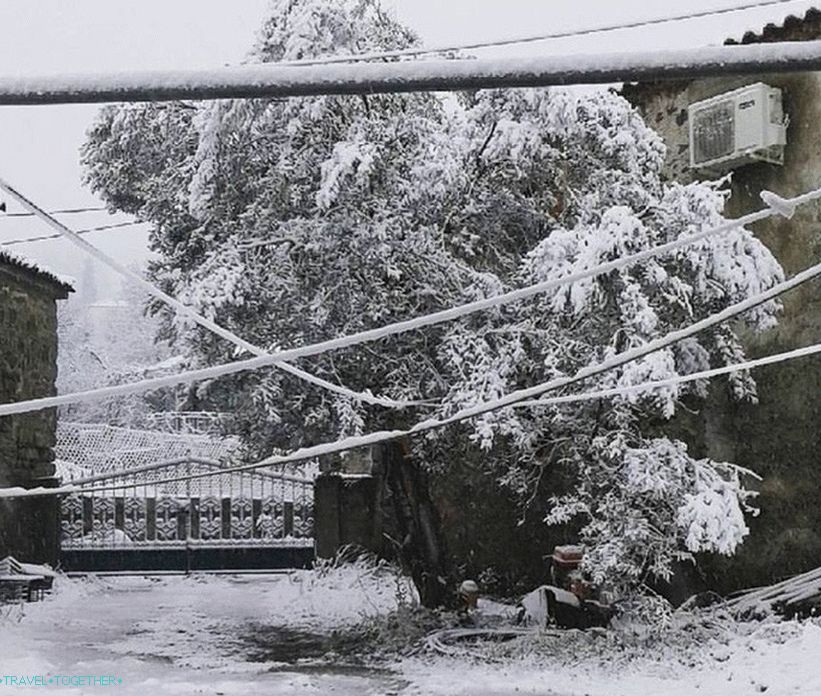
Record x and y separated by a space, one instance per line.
738 127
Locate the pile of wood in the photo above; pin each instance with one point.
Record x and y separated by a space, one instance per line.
798 596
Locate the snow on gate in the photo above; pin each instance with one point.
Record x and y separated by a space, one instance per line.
177 513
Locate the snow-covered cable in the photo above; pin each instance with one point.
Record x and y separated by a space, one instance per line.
270 81
527 38
60 211
189 312
512 399
215 465
398 327
672 381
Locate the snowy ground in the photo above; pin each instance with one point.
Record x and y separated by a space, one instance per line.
229 635
778 660
192 635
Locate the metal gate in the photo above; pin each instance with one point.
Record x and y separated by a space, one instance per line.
185 515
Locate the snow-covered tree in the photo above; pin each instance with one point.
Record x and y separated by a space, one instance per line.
287 222
291 221
105 342
587 171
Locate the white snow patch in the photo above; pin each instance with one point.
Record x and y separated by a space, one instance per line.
772 658
184 635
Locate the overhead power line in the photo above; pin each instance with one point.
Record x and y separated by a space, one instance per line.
777 206
88 230
528 38
673 381
268 81
217 466
186 311
383 436
61 211
525 394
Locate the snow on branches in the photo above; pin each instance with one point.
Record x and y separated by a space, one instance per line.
628 487
296 220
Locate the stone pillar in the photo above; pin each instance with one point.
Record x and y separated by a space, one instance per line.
30 527
347 512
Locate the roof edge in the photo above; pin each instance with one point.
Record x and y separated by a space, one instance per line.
63 284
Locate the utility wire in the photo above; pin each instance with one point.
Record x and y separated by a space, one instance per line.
673 381
190 313
777 206
211 463
271 81
515 399
61 211
530 392
12 242
527 38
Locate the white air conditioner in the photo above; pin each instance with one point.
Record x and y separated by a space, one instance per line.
738 127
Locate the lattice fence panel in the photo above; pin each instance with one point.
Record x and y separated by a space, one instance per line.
100 449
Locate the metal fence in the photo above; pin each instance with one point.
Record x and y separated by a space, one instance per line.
104 448
209 509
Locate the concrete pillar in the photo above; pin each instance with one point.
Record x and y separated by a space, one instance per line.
347 512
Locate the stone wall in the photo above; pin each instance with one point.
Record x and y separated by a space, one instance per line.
29 528
779 438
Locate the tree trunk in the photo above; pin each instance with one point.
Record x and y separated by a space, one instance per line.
421 548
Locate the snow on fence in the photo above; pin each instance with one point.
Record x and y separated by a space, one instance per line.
190 422
202 505
97 448
218 509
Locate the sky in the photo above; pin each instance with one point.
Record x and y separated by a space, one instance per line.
39 144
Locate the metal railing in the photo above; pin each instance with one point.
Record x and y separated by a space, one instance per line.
136 508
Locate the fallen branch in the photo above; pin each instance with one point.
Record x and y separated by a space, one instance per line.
785 594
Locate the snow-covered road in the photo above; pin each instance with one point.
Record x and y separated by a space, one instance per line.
271 634
180 635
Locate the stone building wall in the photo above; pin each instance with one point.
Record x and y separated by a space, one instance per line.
780 437
29 527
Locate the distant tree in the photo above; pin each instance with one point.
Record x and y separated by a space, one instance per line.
295 220
108 342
